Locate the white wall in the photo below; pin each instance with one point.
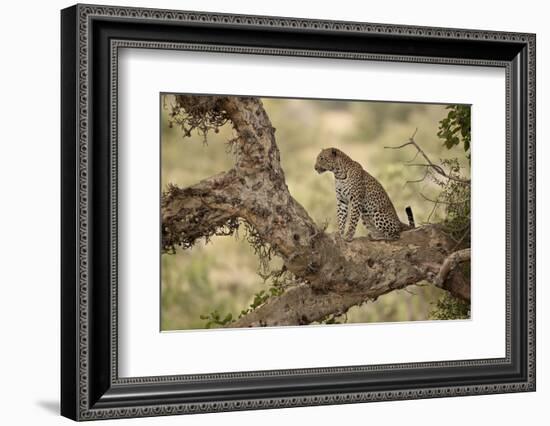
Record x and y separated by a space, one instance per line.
29 225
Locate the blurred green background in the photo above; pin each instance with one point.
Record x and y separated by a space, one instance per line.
223 274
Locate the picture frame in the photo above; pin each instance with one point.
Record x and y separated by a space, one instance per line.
90 384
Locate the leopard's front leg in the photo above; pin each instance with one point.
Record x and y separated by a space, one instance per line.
355 213
342 214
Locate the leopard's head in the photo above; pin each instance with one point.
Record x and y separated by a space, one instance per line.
328 160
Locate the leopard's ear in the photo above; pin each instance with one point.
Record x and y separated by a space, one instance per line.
333 152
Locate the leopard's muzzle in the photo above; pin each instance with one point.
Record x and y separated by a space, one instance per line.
319 169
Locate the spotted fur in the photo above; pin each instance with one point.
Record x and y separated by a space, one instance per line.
360 195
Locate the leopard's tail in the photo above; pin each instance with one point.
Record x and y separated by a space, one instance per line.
410 217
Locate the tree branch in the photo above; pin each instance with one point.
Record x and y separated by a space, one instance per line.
377 268
450 263
429 164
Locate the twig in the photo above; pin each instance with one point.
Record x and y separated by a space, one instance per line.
462 237
414 158
419 180
429 164
436 204
443 202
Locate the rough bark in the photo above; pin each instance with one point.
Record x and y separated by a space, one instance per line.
335 274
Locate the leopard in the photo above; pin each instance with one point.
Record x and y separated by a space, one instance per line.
361 195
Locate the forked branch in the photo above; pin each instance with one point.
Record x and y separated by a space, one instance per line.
429 165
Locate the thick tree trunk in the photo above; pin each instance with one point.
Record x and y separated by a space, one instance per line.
335 274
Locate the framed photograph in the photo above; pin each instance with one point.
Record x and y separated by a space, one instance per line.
263 212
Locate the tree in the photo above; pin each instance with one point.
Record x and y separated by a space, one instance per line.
326 275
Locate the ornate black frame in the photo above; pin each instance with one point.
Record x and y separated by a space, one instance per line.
91 37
